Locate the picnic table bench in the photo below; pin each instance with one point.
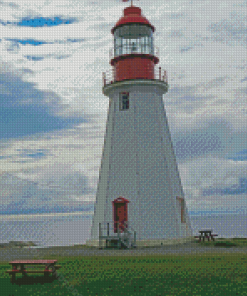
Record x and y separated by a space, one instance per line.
49 265
206 234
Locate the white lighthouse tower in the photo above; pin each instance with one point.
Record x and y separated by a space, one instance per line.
139 200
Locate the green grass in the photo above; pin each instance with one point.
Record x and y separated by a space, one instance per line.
173 275
233 242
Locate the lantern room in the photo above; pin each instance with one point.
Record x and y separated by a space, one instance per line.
133 38
134 53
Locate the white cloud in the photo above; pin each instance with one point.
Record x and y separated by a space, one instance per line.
201 47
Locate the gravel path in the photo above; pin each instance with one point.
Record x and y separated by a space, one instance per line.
187 248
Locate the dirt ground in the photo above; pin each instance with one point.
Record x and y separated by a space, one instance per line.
181 249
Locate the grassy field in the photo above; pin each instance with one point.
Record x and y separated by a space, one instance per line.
208 274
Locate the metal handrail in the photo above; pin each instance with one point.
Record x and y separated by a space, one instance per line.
129 49
126 227
109 76
104 226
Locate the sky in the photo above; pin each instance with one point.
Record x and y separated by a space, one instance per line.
53 112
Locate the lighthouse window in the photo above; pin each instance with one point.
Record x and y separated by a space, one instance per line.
124 101
182 212
182 209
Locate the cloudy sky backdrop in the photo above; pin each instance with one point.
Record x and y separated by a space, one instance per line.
53 113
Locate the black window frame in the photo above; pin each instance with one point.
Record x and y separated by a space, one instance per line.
124 105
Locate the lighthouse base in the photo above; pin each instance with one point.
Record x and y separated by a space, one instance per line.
145 243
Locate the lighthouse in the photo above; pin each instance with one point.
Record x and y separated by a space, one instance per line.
139 199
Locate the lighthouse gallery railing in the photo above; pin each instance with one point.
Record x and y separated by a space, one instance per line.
134 48
109 76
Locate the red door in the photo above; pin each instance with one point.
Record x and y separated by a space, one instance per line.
120 213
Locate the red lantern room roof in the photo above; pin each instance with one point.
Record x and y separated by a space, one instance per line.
132 15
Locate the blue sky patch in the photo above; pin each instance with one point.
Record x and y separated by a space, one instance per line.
239 156
33 58
36 155
5 23
4 157
39 42
29 41
233 190
186 48
44 22
20 120
75 40
33 153
195 144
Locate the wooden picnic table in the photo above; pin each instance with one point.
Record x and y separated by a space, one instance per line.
50 267
206 233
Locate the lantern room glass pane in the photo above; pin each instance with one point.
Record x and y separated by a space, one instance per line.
133 38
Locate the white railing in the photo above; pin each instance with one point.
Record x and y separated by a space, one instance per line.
109 76
125 233
127 49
